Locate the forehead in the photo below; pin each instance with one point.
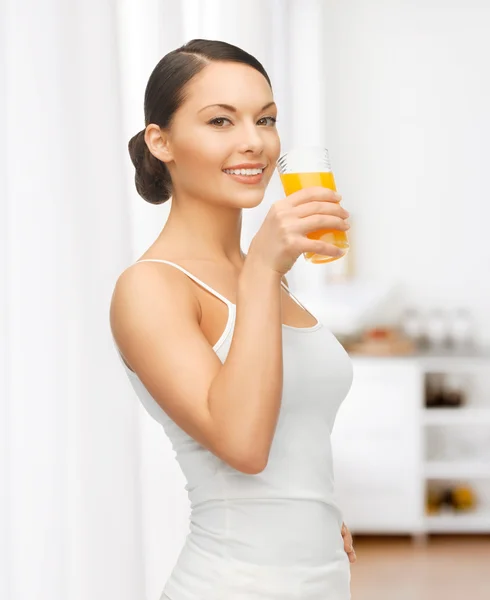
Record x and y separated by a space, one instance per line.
228 83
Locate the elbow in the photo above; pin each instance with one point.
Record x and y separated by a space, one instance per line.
243 462
253 468
245 458
250 465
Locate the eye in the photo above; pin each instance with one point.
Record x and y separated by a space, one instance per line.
218 121
272 121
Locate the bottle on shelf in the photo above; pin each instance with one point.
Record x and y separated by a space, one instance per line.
434 390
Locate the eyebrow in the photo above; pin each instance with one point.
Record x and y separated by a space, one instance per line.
232 108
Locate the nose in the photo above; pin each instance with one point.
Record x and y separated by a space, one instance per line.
251 139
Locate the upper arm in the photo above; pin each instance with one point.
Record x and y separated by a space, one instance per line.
155 322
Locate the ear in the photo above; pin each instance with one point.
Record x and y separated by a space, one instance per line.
158 142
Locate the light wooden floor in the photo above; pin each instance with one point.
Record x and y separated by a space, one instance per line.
447 568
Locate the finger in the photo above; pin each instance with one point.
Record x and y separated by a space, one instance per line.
352 556
321 248
318 222
316 193
318 208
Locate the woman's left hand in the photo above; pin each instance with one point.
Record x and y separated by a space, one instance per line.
348 545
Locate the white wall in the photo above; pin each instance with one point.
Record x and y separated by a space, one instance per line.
408 132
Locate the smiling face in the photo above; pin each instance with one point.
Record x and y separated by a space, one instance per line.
226 122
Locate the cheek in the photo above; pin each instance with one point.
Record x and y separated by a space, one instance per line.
198 169
200 153
274 146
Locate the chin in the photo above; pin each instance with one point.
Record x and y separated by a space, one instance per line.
251 199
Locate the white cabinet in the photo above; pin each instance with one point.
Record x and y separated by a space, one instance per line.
376 447
379 445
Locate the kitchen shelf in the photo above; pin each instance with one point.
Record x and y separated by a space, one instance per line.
456 416
383 475
451 363
457 469
474 522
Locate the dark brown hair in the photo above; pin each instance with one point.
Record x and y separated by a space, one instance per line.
164 94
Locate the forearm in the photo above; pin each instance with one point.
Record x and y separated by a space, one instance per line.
245 398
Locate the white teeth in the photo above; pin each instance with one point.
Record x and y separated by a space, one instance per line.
243 171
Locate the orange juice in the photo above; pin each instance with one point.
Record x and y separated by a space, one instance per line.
293 182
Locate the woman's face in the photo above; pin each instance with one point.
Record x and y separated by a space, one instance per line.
205 140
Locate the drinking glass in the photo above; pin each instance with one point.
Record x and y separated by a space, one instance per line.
306 167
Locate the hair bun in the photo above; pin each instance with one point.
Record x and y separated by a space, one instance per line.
152 178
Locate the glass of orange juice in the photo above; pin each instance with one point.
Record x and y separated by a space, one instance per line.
307 167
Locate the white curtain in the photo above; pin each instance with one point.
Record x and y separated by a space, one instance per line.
70 450
92 504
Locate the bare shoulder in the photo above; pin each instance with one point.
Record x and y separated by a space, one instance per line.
154 317
148 292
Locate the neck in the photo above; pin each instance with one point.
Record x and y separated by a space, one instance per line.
197 229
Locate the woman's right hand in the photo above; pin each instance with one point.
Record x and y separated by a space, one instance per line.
282 236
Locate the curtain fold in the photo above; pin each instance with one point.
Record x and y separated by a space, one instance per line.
71 461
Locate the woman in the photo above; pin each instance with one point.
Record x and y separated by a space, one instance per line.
244 380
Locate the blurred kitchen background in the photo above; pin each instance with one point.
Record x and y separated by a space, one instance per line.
92 503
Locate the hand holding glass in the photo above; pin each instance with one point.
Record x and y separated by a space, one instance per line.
307 167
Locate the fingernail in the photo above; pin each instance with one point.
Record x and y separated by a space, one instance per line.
338 196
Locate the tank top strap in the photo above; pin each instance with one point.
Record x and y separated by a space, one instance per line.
191 276
294 297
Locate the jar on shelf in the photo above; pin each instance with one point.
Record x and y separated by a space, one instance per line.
434 390
437 328
461 330
411 324
464 498
454 390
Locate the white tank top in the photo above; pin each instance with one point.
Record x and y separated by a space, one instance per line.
275 535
